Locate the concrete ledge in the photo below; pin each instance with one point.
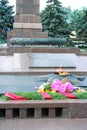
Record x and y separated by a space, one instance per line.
28 25
38 49
34 103
41 72
43 109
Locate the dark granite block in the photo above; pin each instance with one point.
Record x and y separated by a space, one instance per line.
65 113
9 113
51 112
23 113
78 109
28 18
37 112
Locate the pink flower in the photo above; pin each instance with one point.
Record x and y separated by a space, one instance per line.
56 84
69 86
62 88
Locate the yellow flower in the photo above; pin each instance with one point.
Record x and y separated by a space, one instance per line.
53 91
79 91
40 90
47 90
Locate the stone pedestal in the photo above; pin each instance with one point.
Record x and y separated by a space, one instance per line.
27 22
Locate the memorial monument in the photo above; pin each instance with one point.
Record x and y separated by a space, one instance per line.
27 22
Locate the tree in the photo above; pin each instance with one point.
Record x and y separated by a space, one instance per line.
69 18
6 19
82 25
54 19
76 17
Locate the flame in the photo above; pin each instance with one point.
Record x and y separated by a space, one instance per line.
61 72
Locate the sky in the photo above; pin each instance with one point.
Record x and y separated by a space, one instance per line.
74 4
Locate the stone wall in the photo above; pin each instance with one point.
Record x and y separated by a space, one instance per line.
70 108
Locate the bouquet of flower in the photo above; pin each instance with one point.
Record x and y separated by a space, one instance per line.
56 86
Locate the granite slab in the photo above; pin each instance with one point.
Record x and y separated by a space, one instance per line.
49 60
27 83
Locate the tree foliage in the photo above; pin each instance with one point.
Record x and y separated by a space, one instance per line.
75 19
54 19
82 25
60 21
6 19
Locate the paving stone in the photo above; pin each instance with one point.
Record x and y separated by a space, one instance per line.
43 124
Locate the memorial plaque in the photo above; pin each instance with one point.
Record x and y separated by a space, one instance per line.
49 60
